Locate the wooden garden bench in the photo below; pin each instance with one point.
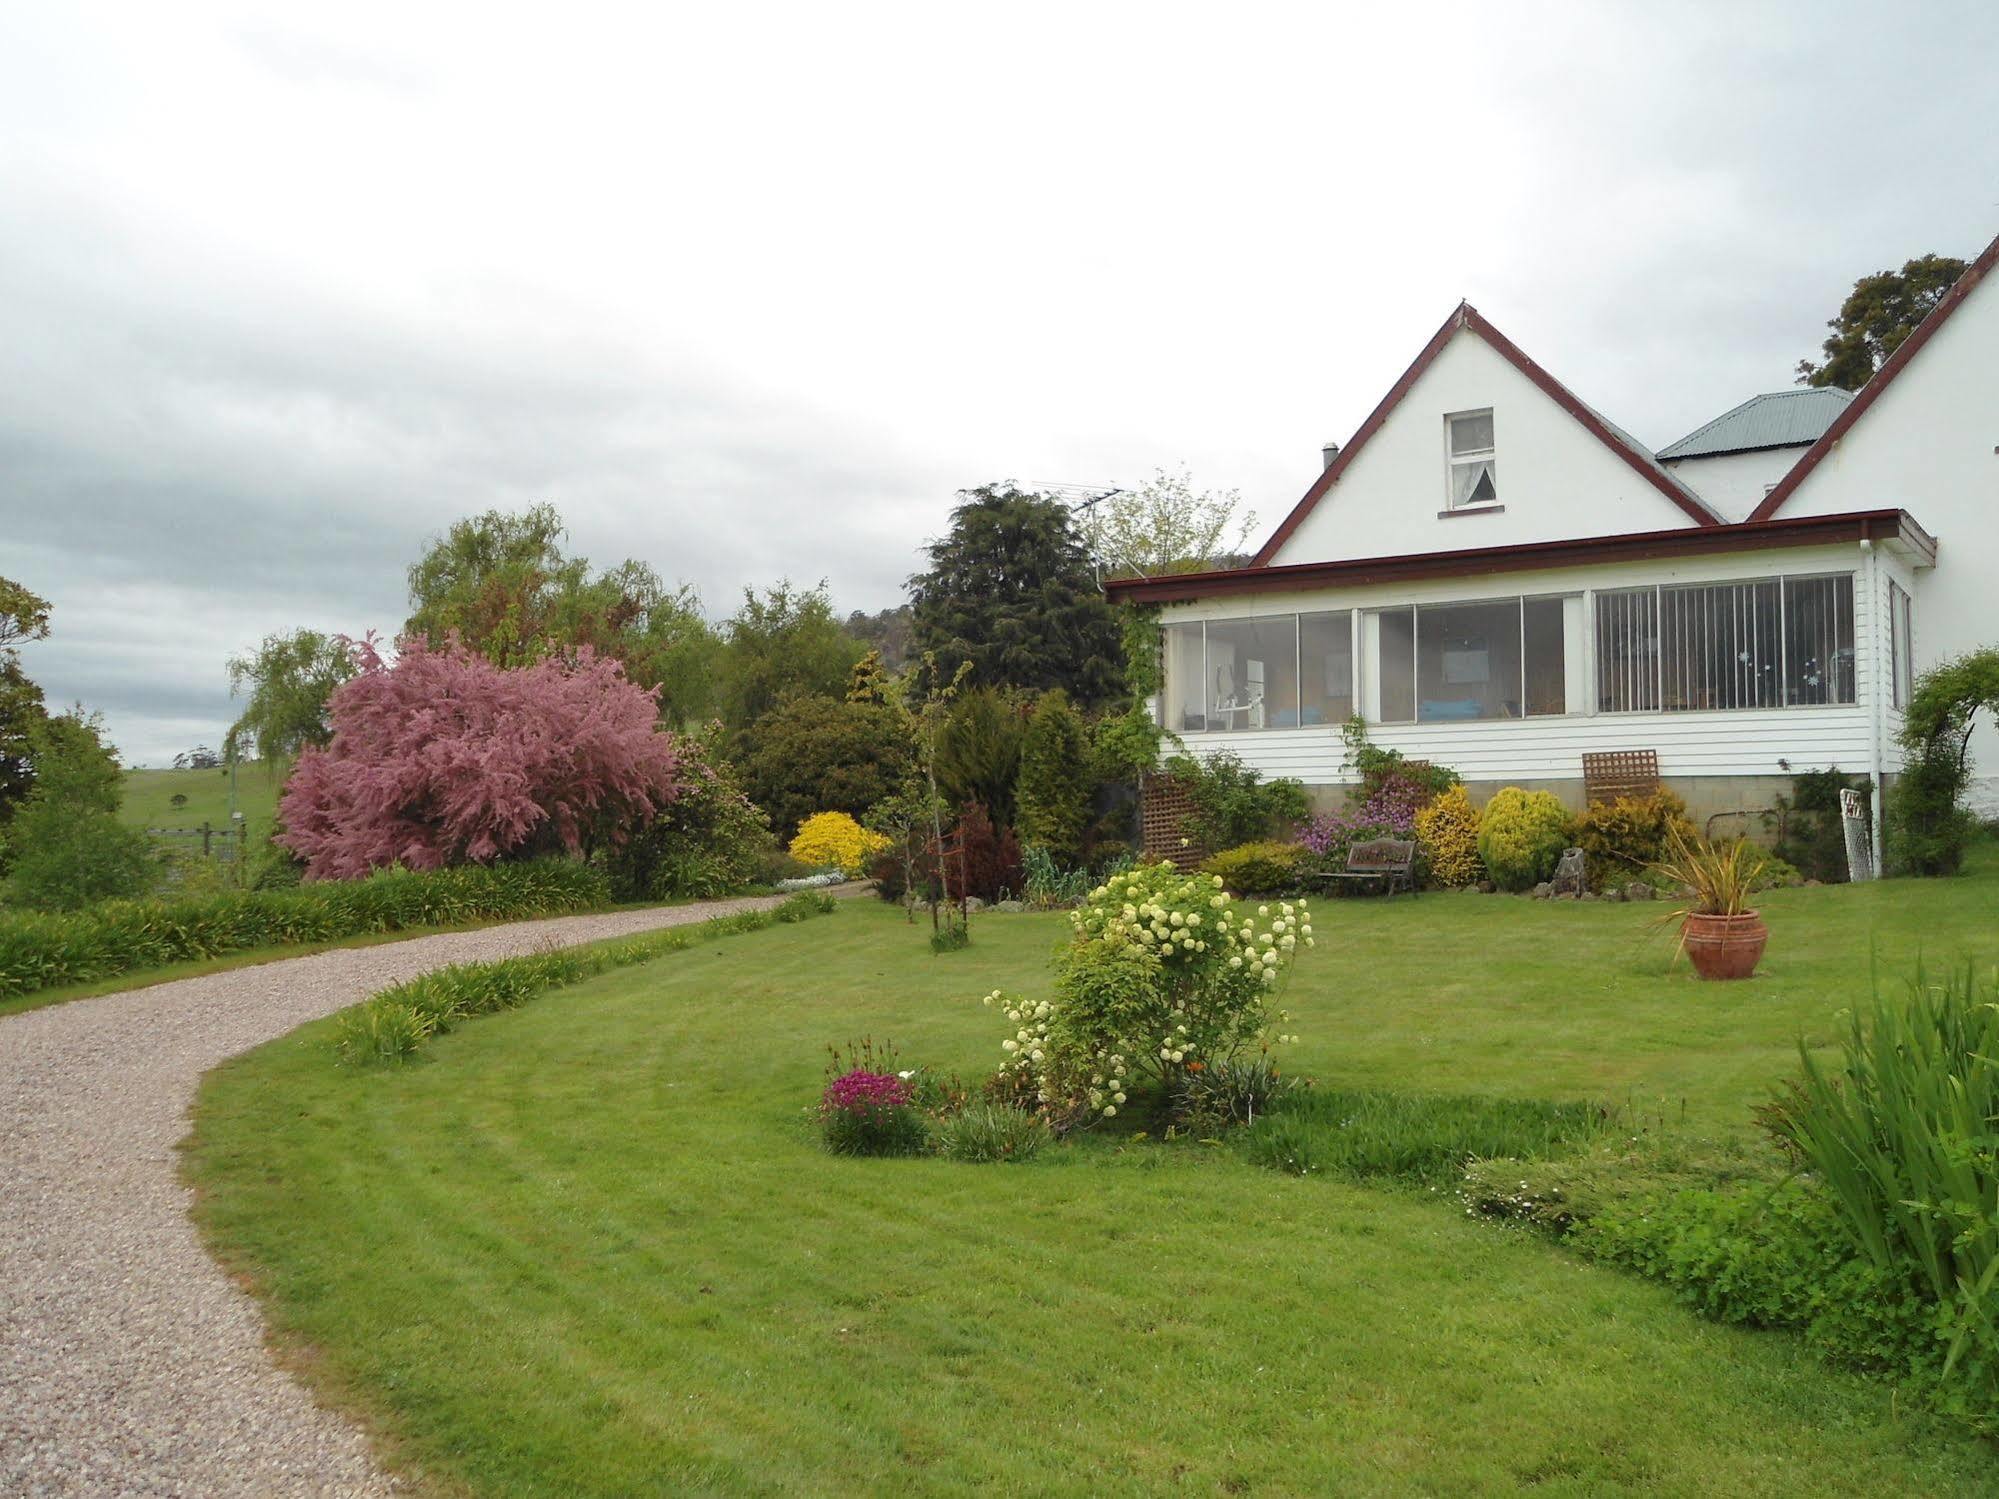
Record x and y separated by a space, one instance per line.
1388 861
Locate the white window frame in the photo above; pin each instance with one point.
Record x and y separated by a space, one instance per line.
1572 645
1454 460
1901 644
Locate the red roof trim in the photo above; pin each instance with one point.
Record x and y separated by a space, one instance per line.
1468 316
1637 546
1883 378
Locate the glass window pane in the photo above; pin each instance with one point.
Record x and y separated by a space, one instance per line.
1818 640
1468 661
1252 672
1627 651
1547 657
1398 665
1471 433
1720 643
1325 648
1474 483
1184 713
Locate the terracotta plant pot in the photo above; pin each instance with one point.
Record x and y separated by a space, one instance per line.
1725 947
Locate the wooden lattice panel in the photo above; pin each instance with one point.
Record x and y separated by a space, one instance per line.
1163 808
1611 774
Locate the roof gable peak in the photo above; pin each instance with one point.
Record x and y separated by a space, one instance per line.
1466 318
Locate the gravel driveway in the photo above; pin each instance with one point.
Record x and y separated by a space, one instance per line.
129 1364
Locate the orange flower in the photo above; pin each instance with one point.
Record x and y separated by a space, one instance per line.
1196 1066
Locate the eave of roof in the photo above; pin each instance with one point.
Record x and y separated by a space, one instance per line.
1637 546
1869 393
1468 317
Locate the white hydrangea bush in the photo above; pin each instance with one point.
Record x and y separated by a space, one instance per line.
1167 972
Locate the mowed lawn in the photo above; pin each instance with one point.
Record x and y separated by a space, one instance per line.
592 1246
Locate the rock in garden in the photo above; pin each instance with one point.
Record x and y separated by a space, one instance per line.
1485 887
1639 890
1571 875
1009 905
1543 890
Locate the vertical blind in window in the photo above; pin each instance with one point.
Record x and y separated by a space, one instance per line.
1704 647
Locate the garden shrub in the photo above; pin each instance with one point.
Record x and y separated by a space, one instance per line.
1928 826
1447 833
1165 970
979 747
985 1133
1623 839
1521 835
1233 803
1378 768
1258 868
443 758
817 754
1052 794
833 840
710 840
49 951
989 867
872 1114
68 850
1780 1257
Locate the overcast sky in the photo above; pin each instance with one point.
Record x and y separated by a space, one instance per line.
749 291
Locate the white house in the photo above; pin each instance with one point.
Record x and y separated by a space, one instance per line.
1497 579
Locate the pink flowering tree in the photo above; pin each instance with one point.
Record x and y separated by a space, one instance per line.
441 757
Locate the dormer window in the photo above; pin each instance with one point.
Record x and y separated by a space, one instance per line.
1474 479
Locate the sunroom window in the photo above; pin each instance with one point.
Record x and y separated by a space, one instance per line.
1474 479
1451 663
1706 647
1278 671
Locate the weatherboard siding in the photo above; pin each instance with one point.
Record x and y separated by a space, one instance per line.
1744 742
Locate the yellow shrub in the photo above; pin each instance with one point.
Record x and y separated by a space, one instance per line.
1447 829
833 840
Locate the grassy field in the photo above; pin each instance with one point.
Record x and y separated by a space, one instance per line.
592 1247
149 798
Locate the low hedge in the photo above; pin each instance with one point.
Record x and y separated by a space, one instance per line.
394 1024
1259 868
40 951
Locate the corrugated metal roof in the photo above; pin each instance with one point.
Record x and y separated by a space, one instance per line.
1780 419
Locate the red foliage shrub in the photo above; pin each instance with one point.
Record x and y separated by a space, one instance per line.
992 868
444 758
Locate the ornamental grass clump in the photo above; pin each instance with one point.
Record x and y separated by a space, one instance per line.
1165 974
871 1113
1901 1135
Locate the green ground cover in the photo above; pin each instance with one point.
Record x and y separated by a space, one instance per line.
149 798
593 1247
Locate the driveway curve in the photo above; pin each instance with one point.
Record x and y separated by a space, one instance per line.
129 1363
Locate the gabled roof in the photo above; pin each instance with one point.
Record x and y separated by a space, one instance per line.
1778 419
1468 317
1884 377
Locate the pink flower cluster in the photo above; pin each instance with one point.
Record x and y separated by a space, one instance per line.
1388 811
864 1092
